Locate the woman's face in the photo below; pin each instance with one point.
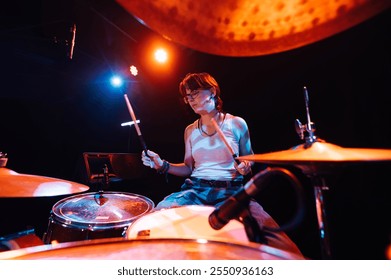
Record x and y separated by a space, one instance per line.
200 100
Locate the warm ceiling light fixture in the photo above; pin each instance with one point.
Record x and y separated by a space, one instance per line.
251 27
161 55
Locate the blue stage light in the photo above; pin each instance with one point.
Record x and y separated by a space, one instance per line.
116 81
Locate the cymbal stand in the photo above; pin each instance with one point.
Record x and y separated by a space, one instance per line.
105 180
318 182
99 196
319 185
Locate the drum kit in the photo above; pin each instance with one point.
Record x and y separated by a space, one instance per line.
115 225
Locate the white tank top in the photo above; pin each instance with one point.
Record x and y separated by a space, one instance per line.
212 159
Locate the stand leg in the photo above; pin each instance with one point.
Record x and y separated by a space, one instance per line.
319 186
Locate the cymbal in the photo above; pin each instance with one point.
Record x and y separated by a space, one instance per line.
250 27
13 184
320 152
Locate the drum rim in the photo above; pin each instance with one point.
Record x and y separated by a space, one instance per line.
56 217
52 248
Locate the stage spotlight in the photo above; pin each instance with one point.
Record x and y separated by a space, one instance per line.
133 70
161 55
116 81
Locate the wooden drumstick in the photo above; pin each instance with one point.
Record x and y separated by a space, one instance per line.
132 115
222 136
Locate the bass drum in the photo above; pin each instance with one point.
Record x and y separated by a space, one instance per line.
189 221
94 216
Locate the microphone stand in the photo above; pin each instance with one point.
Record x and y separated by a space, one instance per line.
237 205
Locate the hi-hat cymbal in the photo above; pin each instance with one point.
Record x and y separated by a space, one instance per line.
13 184
320 152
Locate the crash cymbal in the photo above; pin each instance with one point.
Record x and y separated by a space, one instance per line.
250 27
13 184
321 152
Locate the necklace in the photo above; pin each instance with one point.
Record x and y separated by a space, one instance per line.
206 133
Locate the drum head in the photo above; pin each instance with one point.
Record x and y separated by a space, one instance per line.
150 249
190 221
101 210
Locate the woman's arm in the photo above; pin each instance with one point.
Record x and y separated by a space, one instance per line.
184 169
241 130
153 160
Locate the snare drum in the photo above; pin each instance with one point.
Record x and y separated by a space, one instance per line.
189 221
94 216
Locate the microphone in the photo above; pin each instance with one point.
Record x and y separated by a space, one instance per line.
207 100
234 205
73 30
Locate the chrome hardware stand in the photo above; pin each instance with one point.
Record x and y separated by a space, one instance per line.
318 182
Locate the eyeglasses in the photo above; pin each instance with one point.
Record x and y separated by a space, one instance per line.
193 95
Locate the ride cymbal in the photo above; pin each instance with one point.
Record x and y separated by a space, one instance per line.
320 152
13 184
